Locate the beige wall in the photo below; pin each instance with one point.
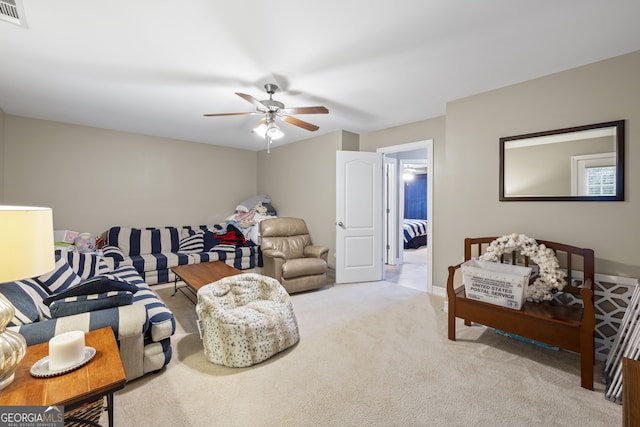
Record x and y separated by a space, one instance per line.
466 175
413 132
96 178
301 180
466 164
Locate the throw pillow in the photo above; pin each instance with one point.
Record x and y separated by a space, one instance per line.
60 278
86 265
86 303
193 244
95 285
210 238
25 297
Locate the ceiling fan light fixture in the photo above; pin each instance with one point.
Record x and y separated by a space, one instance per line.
261 129
273 131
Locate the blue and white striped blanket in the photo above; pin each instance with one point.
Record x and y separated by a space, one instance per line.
414 228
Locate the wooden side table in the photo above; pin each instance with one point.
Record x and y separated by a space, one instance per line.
101 376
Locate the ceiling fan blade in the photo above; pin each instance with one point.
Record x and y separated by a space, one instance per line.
300 123
231 114
259 105
306 110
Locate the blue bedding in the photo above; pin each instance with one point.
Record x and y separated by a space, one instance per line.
415 230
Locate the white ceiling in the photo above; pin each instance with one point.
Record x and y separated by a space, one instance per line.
156 66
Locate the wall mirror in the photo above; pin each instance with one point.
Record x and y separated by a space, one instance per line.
583 163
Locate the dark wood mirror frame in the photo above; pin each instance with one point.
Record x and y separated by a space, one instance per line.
566 135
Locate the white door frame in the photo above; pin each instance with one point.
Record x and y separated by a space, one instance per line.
428 144
390 221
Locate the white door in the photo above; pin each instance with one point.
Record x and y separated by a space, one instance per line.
358 216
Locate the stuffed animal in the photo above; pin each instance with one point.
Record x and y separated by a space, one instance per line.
85 242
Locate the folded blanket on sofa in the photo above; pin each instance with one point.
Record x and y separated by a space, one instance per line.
93 286
84 303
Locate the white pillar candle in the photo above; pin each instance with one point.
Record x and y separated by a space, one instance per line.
66 350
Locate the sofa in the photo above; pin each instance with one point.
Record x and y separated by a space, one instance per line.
154 251
84 293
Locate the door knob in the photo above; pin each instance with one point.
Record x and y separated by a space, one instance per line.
340 224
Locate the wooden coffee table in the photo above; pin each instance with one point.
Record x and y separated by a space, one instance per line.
196 276
101 376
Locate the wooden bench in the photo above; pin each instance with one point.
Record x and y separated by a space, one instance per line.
568 326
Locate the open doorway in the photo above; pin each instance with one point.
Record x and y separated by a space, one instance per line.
410 266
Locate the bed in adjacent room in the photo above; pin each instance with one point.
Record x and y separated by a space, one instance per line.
415 233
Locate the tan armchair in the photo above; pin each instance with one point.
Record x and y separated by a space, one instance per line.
289 255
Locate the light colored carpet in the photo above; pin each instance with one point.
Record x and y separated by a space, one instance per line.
373 354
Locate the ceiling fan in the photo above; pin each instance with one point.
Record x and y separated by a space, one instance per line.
272 109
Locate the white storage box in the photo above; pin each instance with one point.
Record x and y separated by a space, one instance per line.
495 283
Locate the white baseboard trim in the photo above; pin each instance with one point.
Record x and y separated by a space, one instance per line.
441 292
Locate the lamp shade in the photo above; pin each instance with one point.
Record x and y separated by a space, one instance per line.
26 242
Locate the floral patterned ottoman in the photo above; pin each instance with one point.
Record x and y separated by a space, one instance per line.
246 319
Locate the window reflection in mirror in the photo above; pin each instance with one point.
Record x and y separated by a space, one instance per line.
579 163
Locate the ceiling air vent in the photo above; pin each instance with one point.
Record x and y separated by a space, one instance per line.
12 11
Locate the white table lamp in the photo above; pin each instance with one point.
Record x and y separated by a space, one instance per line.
26 250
